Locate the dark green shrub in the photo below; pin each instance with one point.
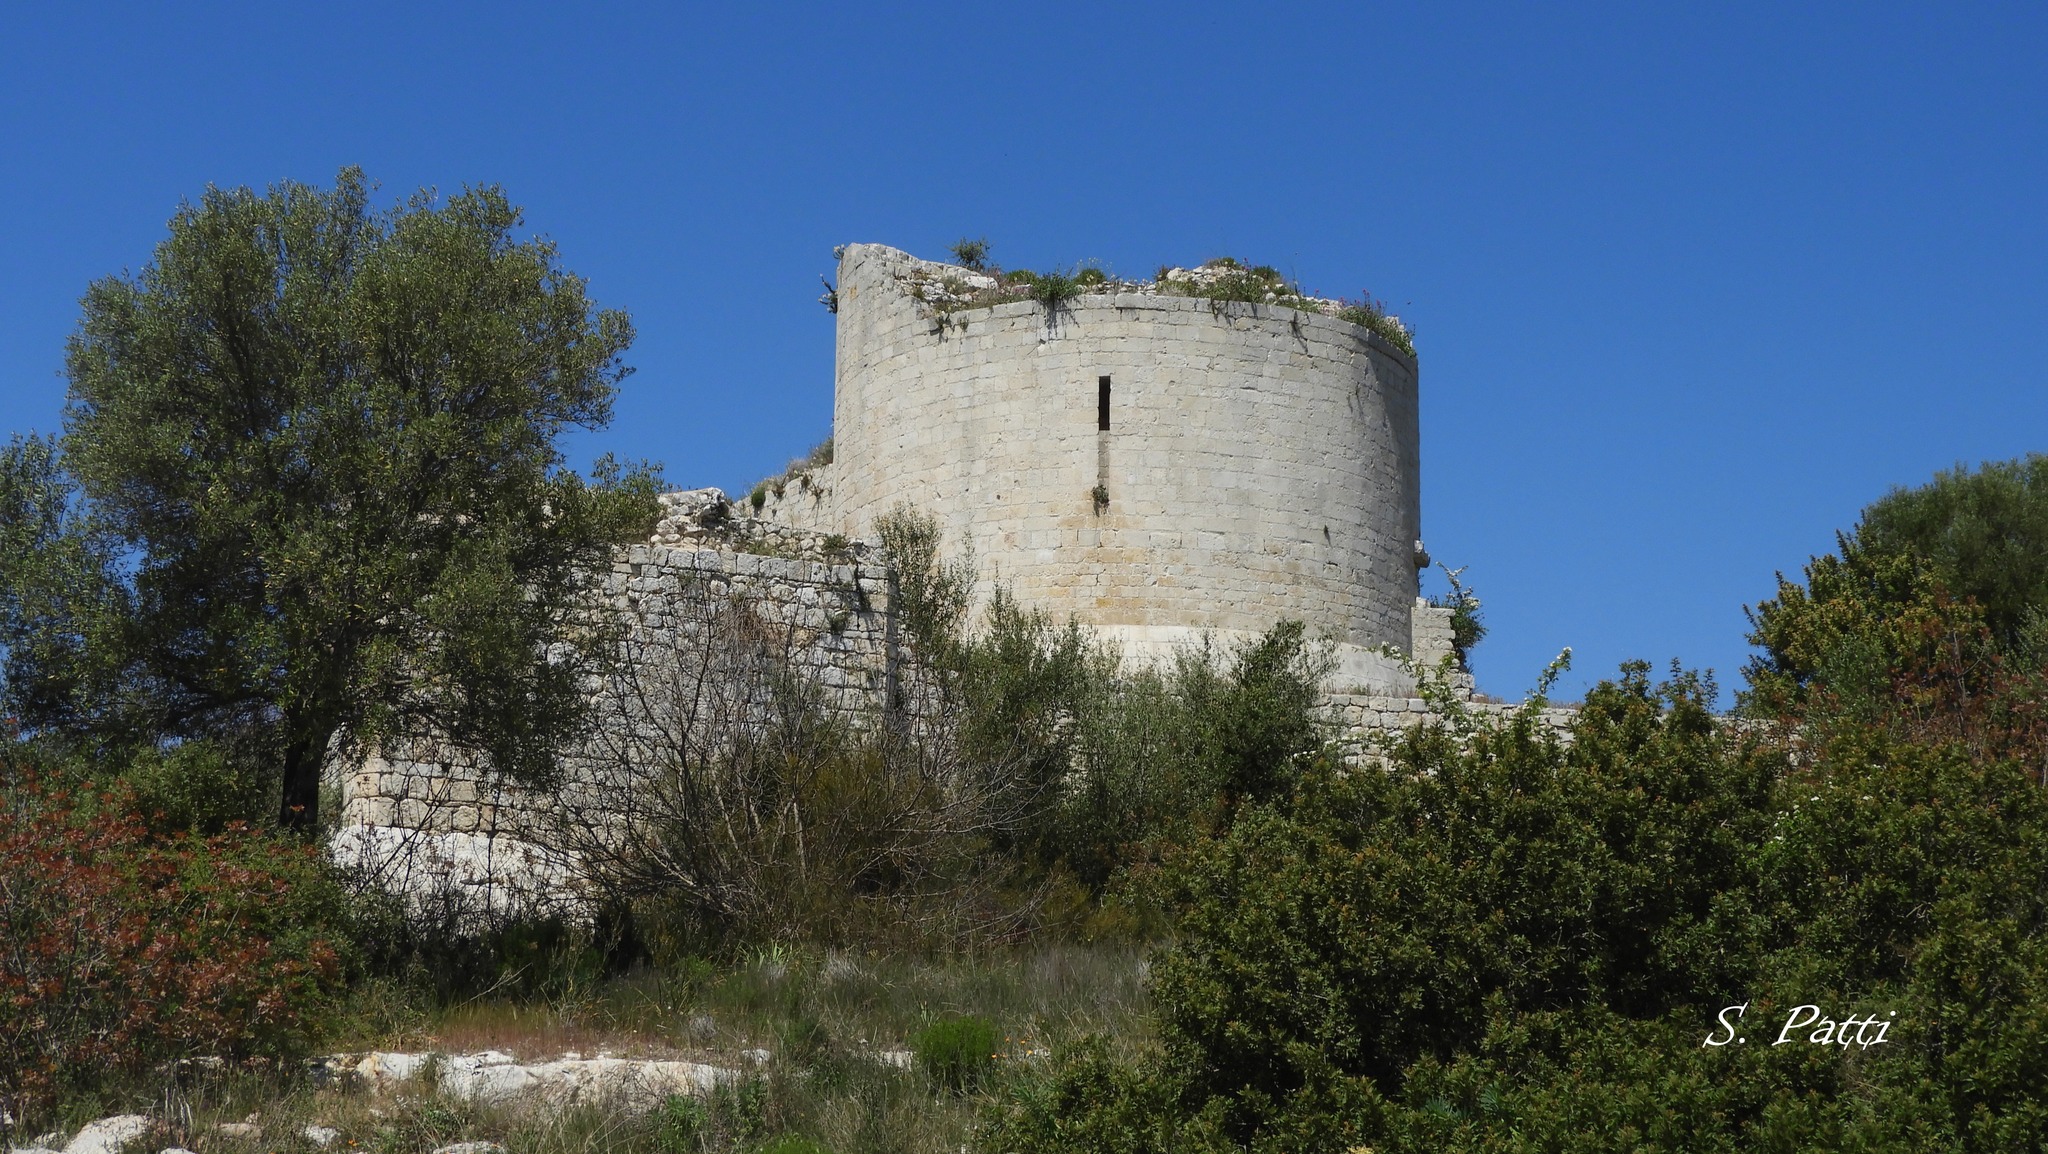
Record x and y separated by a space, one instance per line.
971 253
1505 943
1984 533
957 1052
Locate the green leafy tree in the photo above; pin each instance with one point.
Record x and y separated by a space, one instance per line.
1983 532
309 492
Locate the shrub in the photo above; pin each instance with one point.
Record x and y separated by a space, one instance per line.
1984 533
957 1052
1506 943
121 950
971 253
1467 626
1055 288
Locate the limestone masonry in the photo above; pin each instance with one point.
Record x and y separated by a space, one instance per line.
1160 468
1157 467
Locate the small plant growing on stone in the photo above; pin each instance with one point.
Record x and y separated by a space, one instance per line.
1370 314
835 543
1100 494
1055 288
1467 630
971 253
957 1052
758 497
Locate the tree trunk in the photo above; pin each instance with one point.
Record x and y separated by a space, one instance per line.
304 757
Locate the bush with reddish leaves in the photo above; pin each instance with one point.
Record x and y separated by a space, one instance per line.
122 949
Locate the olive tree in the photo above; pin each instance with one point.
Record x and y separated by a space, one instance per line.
309 492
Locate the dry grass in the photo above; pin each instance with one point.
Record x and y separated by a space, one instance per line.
822 1016
814 1002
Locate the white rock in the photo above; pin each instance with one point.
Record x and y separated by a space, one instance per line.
174 1150
321 1135
108 1135
248 1130
471 1148
495 1077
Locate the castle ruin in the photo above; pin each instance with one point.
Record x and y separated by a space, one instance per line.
1161 468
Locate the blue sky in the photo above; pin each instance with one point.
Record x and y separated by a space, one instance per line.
1689 290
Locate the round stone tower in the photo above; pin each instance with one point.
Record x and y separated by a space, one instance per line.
1158 467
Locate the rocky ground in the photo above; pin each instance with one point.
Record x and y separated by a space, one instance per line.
490 1077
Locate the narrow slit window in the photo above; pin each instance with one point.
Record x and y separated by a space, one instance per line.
1102 403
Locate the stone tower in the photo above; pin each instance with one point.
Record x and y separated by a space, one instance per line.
1159 467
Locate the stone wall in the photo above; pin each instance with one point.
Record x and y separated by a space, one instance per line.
711 585
1261 462
800 499
1365 721
721 589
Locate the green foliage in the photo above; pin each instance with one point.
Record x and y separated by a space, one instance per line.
1124 763
1222 279
1505 943
309 488
198 785
1467 627
1055 288
932 594
1860 617
1933 613
1093 1102
1239 283
1169 756
1370 314
971 253
681 1119
1982 534
958 1052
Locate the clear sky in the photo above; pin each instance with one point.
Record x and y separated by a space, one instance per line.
1689 290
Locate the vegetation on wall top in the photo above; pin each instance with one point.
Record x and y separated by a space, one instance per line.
980 283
